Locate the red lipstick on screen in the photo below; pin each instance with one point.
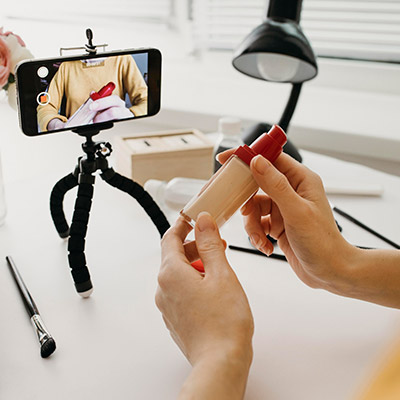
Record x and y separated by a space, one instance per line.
84 115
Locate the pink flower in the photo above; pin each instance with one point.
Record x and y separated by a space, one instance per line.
5 61
16 47
20 41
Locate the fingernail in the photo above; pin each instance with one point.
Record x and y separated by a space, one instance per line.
243 209
204 222
266 250
261 164
255 239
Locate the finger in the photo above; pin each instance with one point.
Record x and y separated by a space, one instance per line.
191 250
209 244
172 241
294 171
257 231
277 186
276 222
107 115
254 223
106 102
259 204
224 155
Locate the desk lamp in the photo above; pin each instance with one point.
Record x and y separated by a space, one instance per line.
278 51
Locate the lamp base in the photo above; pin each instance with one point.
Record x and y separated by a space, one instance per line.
251 134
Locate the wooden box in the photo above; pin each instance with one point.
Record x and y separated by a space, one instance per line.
164 155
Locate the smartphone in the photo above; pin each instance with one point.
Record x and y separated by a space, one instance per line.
79 92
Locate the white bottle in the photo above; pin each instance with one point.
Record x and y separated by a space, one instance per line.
174 194
229 129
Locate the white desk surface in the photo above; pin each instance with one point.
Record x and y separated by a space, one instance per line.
308 344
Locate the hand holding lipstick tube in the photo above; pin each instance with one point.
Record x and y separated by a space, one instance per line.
234 184
110 108
208 316
85 114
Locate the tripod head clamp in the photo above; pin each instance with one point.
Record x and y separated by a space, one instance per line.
89 46
90 131
94 150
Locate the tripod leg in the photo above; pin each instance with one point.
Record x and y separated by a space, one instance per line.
76 242
141 196
56 203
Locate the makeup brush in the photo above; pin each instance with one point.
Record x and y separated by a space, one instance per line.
47 343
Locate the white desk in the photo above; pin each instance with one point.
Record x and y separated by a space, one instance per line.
308 344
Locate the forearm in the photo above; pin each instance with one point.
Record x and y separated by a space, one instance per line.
45 116
140 106
220 376
374 276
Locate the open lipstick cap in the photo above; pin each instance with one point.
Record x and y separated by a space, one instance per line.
269 145
104 91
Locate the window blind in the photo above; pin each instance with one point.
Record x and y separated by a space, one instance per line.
77 10
355 29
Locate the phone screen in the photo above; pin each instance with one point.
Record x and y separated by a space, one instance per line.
74 92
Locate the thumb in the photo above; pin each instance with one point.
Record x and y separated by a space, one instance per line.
276 185
209 244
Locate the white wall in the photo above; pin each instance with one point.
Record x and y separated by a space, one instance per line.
350 110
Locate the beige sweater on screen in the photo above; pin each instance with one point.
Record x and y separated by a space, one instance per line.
76 81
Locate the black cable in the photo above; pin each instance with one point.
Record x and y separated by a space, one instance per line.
56 203
140 195
76 242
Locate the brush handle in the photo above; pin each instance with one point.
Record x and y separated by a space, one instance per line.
25 295
365 227
259 253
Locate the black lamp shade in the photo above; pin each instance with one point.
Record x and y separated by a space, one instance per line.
277 50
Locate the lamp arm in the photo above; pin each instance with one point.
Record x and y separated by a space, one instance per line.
285 9
290 106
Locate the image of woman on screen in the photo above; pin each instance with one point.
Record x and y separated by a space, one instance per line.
73 100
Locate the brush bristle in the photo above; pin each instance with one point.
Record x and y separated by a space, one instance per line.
48 348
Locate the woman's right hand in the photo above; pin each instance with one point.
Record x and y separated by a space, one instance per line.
295 210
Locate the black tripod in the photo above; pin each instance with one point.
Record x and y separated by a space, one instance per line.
95 158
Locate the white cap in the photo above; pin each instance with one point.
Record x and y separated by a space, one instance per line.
229 126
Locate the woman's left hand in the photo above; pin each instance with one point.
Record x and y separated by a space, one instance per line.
208 314
204 312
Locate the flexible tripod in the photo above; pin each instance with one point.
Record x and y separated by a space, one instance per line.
95 159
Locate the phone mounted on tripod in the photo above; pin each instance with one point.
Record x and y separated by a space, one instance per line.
112 87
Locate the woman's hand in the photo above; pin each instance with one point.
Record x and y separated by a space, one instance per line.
208 315
294 210
55 124
110 108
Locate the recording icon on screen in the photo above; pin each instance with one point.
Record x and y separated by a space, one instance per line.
43 98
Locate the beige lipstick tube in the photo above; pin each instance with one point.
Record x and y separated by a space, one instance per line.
233 184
